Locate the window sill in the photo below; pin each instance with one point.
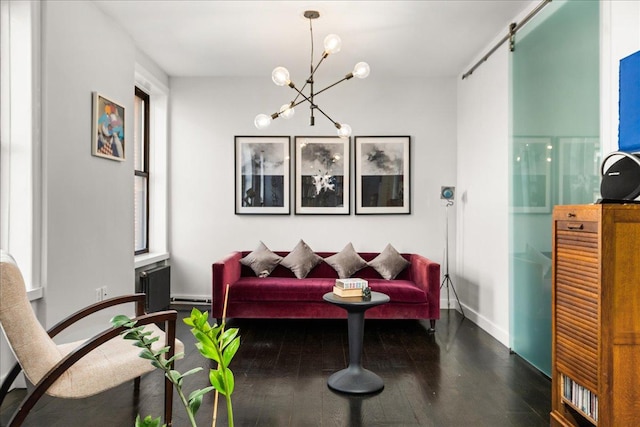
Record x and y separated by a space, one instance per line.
150 258
35 294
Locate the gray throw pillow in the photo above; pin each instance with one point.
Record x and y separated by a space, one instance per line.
262 261
346 262
301 260
389 263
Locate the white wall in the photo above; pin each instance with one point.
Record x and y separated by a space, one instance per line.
88 201
206 114
482 165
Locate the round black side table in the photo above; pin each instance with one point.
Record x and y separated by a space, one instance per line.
354 378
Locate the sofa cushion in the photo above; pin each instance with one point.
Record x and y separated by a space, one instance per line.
346 262
301 260
262 261
389 263
279 289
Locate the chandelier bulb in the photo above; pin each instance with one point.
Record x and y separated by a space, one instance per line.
361 70
287 111
344 130
262 121
280 76
332 44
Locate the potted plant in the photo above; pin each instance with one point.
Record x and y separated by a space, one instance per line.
213 342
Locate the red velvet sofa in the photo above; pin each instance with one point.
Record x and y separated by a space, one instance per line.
414 293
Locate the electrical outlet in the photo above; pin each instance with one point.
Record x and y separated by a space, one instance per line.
104 293
98 294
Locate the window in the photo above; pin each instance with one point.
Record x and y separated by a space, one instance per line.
141 172
20 171
151 107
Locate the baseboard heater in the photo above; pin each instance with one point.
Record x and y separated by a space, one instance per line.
156 283
191 300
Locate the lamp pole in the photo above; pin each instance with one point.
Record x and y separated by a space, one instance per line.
447 279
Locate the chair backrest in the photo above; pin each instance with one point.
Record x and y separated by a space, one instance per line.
33 348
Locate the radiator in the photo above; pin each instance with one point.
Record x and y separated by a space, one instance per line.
156 283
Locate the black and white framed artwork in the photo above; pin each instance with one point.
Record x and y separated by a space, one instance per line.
262 171
382 175
322 172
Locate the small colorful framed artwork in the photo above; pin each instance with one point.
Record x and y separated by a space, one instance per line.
108 139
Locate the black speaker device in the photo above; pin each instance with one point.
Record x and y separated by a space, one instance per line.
621 180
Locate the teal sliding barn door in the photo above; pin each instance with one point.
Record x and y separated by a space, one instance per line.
554 155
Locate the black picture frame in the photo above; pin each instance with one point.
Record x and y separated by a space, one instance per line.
382 175
262 175
322 175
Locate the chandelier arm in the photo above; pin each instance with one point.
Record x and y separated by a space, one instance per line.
325 114
314 106
295 101
310 78
347 77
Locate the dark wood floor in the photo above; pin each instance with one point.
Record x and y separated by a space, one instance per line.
459 376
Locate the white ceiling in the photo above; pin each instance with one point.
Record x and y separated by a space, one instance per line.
419 38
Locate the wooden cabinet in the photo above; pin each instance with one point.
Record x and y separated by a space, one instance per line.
596 315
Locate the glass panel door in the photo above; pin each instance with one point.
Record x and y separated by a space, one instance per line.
555 155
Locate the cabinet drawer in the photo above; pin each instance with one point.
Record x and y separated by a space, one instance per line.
577 226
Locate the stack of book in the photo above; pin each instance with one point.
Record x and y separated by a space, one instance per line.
350 288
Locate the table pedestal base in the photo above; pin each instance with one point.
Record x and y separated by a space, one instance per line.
355 379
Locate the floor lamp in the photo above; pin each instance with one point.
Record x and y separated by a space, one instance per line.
448 193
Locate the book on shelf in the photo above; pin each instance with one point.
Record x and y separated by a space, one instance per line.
347 292
352 283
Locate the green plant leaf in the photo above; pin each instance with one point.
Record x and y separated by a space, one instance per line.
162 351
146 354
230 382
194 404
122 320
148 422
175 356
175 377
200 392
215 377
204 339
228 336
130 336
192 371
209 351
230 351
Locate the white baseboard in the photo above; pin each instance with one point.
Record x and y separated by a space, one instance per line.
488 326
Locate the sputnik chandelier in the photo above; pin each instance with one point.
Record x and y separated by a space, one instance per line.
281 77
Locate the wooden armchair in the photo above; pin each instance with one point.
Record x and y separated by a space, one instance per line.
78 369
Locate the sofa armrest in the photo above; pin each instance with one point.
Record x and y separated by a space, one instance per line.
426 275
226 271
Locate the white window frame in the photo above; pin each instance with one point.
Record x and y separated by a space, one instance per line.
20 139
158 167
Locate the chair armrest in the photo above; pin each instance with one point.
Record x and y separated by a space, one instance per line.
226 271
169 317
139 299
426 275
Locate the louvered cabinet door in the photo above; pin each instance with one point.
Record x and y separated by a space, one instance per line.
576 313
